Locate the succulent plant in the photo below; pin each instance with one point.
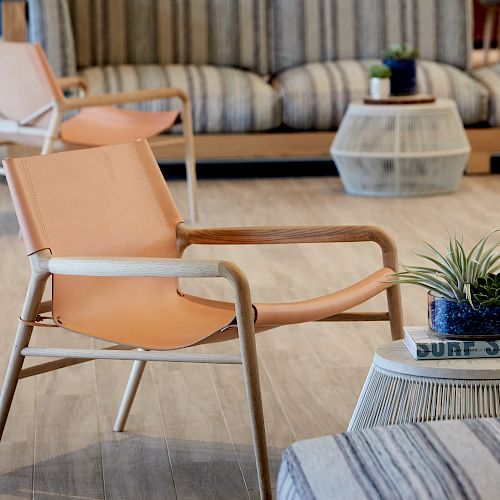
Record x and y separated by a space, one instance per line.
380 71
458 276
486 292
400 51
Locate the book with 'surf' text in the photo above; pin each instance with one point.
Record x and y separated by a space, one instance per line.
422 344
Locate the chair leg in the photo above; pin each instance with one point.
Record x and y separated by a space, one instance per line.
12 376
254 397
190 161
395 311
252 385
487 33
30 309
128 397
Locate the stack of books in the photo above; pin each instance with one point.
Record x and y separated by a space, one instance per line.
423 344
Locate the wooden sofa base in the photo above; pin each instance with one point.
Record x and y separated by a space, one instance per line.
293 145
303 145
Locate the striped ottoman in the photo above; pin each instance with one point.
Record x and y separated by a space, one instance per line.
456 459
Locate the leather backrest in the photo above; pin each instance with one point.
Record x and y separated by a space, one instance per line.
27 83
106 201
110 201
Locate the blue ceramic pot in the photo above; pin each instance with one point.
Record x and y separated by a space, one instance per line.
459 320
403 76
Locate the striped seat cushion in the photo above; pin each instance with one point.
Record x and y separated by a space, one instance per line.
439 460
489 76
223 99
320 30
316 95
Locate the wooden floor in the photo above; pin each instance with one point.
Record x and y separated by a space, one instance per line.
188 435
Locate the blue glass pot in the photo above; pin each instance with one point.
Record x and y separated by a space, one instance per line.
403 76
460 321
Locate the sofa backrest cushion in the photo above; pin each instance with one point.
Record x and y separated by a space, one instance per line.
303 31
50 25
220 32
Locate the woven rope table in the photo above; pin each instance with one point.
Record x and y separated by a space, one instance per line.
401 150
401 389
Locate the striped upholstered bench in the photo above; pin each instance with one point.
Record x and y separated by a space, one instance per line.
457 459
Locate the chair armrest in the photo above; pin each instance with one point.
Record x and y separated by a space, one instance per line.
283 234
289 234
70 82
136 266
124 97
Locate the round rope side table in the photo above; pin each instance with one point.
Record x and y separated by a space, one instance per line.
401 150
400 389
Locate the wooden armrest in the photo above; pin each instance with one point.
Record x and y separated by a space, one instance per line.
44 264
124 97
69 82
282 234
125 266
291 234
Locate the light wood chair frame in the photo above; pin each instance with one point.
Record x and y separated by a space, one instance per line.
57 108
43 265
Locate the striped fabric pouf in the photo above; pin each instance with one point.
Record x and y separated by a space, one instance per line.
316 95
223 99
489 76
456 459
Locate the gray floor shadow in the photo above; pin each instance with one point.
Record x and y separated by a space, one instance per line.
137 467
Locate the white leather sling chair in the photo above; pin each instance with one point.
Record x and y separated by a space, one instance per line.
32 106
102 225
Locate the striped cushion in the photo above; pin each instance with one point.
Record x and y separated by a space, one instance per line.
322 30
490 78
438 460
50 25
219 32
316 95
223 99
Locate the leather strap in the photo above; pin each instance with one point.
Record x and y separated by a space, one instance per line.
39 322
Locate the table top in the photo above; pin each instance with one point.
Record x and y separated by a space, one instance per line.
394 100
439 105
395 357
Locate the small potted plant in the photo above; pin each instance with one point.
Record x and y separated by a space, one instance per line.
464 289
401 61
379 81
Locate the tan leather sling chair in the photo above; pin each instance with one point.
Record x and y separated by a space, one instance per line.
102 224
32 105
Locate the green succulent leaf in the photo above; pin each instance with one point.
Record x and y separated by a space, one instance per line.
458 275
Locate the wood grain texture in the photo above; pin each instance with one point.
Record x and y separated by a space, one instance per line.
291 145
14 23
401 99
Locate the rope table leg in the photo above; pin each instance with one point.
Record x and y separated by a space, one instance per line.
390 398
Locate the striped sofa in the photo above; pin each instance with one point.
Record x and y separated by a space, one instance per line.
259 65
457 459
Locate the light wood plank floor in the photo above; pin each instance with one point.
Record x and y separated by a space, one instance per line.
188 435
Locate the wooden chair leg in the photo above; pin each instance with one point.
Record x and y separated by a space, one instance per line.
488 31
190 162
128 397
30 310
395 311
254 397
12 376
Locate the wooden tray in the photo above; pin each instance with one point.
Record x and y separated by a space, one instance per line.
402 99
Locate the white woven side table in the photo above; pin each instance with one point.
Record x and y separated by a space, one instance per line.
401 149
400 389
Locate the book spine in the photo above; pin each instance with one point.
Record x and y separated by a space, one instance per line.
459 349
